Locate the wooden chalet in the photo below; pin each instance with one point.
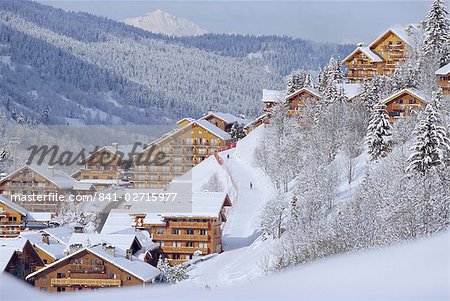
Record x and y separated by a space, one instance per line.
402 103
224 121
182 229
18 257
443 75
383 55
12 218
271 98
87 268
109 166
183 148
38 187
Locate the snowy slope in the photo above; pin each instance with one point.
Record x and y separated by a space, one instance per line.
160 21
412 271
244 249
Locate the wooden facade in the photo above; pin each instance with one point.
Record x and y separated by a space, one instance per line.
24 260
443 78
299 101
86 270
183 149
402 103
36 190
382 57
12 218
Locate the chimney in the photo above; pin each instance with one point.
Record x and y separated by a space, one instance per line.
79 229
52 170
111 250
408 29
115 145
46 238
75 247
129 254
361 44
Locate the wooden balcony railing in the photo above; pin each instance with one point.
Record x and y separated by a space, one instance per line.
181 237
184 250
85 282
189 225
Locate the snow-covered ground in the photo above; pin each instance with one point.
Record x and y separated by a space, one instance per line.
417 270
244 249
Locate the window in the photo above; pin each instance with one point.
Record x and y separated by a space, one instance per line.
203 232
189 244
400 101
176 256
412 101
111 276
176 231
129 278
60 275
95 177
176 244
60 289
190 232
202 245
160 230
86 177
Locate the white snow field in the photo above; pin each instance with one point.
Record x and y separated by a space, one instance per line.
417 270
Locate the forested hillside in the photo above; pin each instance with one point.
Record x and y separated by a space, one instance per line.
65 67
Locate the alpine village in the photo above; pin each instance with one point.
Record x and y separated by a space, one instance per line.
399 82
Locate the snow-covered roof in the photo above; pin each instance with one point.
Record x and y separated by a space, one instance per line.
13 205
122 241
255 120
58 177
350 90
142 236
307 89
189 119
135 267
102 182
407 33
373 57
117 220
417 93
83 186
213 129
443 70
7 248
227 117
54 248
272 96
62 234
39 216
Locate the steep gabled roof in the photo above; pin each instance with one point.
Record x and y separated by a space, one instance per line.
13 206
227 117
372 56
443 70
58 177
304 89
414 92
407 33
8 247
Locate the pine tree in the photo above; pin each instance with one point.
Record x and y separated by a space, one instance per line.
379 133
431 145
437 32
309 82
295 211
164 268
294 83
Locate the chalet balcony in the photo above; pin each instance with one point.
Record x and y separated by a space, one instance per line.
85 282
189 225
81 268
362 66
184 250
181 237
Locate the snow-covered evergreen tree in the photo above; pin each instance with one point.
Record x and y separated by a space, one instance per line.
431 145
214 184
437 32
379 133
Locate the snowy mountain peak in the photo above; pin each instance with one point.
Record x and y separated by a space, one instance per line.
160 21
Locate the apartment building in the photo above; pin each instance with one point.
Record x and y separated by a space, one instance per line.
183 148
383 55
37 187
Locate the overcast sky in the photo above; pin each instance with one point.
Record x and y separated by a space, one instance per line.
334 21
